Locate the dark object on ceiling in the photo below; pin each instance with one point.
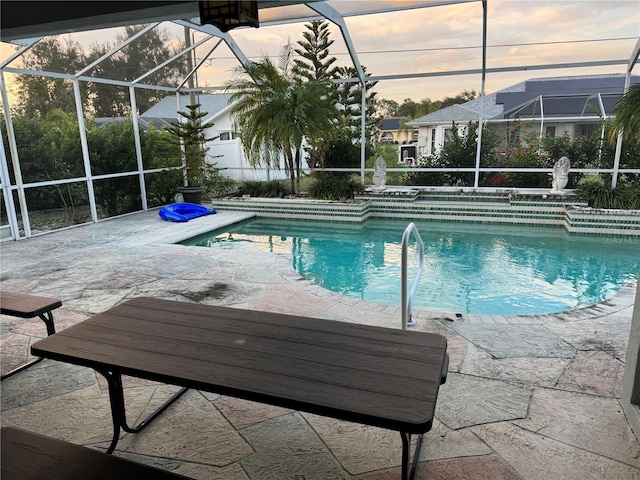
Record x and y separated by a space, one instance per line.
229 14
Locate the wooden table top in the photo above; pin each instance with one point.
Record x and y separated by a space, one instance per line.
26 306
372 375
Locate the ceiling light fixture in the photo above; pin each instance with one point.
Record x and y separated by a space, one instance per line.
229 14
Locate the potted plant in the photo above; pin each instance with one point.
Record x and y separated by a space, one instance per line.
190 133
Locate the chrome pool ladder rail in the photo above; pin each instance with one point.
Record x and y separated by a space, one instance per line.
407 299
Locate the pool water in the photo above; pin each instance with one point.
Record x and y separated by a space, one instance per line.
469 268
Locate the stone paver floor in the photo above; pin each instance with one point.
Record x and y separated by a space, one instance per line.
531 398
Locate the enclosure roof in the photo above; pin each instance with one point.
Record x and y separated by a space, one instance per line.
27 19
22 19
421 52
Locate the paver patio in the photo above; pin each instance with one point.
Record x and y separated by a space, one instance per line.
527 397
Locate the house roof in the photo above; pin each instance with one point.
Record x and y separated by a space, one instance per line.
562 96
467 112
165 111
143 123
390 124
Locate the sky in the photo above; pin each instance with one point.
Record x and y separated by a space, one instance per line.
432 41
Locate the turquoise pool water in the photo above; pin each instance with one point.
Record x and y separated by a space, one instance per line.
469 268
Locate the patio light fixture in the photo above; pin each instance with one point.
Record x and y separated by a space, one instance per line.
229 14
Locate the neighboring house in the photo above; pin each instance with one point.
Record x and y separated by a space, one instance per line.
225 150
551 106
390 131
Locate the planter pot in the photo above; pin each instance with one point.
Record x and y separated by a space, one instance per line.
192 194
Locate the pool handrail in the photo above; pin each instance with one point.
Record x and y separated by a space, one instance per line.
407 299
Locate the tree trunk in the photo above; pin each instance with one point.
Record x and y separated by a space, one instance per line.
292 173
297 170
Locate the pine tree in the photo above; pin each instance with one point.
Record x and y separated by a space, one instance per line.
349 95
315 63
190 133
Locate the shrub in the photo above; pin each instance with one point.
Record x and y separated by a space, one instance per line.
634 198
270 188
331 187
251 187
427 178
162 186
215 184
275 188
599 193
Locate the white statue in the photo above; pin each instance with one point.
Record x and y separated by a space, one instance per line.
379 172
560 175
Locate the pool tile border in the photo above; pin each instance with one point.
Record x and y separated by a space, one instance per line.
531 209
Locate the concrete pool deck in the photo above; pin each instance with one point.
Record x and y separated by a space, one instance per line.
526 398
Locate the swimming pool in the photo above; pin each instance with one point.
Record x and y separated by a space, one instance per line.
469 268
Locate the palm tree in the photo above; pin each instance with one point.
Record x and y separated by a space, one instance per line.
627 114
275 112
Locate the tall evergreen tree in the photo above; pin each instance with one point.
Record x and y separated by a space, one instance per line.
314 62
349 96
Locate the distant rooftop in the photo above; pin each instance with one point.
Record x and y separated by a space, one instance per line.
563 96
166 109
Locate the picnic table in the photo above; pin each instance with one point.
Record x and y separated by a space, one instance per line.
377 376
22 305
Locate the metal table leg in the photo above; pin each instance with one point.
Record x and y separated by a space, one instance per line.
406 450
20 368
47 318
118 410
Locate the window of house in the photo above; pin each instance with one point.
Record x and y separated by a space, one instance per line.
586 129
448 132
433 140
550 131
229 135
414 137
386 137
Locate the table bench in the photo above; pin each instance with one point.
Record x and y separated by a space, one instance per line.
28 306
31 456
383 377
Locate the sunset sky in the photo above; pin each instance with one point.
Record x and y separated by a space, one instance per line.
448 38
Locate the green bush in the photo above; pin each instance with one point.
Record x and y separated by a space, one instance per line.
459 151
523 153
268 189
427 178
331 187
214 183
162 187
634 198
599 193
